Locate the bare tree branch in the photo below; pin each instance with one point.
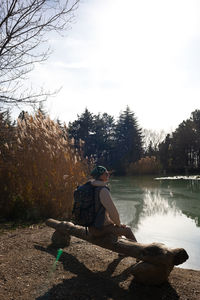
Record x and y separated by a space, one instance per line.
152 138
23 25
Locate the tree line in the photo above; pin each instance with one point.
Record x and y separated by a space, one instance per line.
122 145
180 151
113 144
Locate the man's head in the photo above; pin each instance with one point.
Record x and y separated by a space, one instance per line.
100 173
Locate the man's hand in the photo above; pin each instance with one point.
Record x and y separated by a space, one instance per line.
122 225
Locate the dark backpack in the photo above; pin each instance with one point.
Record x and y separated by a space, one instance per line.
84 211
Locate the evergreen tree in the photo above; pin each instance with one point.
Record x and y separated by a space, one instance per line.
128 141
165 153
195 118
151 150
183 147
82 129
96 132
104 127
181 152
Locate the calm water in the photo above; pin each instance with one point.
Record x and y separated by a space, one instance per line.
166 211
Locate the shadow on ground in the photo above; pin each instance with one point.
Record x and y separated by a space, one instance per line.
85 284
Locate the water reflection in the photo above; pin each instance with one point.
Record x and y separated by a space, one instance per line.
150 196
155 203
165 211
186 194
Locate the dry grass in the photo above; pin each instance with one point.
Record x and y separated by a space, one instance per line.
146 165
43 170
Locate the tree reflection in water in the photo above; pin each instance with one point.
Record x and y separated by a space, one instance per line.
163 210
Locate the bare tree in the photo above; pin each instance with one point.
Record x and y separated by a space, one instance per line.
152 138
23 26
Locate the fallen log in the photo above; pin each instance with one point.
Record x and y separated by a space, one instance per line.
156 260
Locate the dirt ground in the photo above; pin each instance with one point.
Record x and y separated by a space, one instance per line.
84 272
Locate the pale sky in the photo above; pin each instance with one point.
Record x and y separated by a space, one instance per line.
140 53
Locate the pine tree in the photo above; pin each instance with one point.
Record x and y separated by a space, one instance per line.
165 153
195 118
104 128
181 152
128 141
96 132
83 129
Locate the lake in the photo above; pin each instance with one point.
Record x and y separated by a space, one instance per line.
163 210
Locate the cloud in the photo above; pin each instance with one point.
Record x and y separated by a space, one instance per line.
141 53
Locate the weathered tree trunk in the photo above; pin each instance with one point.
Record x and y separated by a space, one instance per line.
156 260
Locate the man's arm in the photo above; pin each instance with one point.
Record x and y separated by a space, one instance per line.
109 205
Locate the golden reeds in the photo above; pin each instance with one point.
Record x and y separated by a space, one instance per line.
146 165
43 171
